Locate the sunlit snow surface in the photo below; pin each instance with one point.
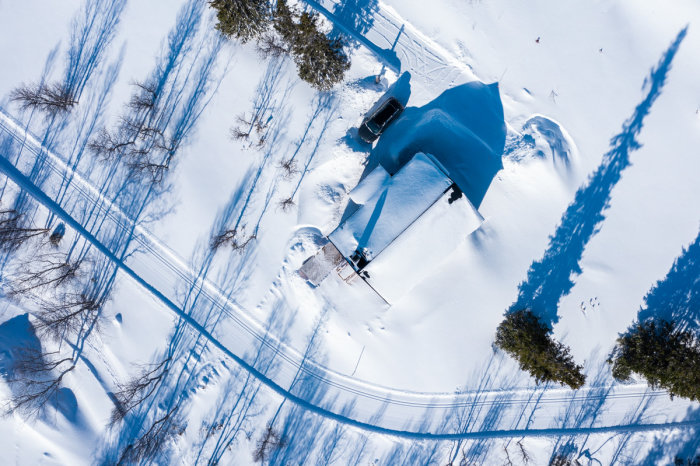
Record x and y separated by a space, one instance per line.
595 199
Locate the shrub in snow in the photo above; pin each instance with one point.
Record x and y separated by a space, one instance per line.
664 355
525 338
242 19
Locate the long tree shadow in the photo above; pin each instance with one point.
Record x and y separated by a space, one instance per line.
356 14
93 30
551 278
676 298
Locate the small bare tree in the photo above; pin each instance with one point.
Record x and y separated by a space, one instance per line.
287 204
289 167
108 145
162 430
35 380
232 237
14 232
51 269
269 442
67 314
145 96
131 394
523 453
51 99
245 127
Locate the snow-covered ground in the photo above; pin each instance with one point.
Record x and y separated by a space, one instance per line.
597 197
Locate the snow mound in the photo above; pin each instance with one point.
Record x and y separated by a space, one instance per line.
16 335
544 138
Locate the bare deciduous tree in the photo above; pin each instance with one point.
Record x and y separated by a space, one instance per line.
270 441
14 232
239 133
508 460
151 442
232 237
145 97
523 453
134 392
108 145
289 167
52 99
287 204
246 126
67 314
35 380
51 269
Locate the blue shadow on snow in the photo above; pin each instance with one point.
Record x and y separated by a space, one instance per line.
677 296
463 128
551 278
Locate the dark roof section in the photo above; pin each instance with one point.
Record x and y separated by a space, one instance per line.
463 128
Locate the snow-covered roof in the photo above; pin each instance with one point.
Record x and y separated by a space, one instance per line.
419 251
463 128
396 202
369 185
407 224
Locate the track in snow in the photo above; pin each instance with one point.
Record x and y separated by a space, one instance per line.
161 272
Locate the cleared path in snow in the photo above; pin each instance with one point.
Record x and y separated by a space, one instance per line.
400 45
375 408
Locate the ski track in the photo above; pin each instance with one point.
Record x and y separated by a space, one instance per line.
157 260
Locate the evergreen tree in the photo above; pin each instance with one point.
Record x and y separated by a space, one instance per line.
527 339
320 61
663 354
242 19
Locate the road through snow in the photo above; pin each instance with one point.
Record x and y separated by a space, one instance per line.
374 408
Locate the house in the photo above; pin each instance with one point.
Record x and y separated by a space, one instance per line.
402 227
418 197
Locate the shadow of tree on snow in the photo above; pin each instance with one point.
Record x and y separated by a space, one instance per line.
677 296
551 278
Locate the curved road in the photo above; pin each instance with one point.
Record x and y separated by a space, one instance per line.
380 409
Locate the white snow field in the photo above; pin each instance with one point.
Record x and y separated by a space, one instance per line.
571 127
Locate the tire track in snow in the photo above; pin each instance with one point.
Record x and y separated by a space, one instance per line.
429 63
155 260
